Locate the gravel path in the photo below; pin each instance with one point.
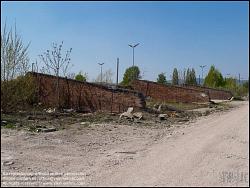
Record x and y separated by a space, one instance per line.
212 152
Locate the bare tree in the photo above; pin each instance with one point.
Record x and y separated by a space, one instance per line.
71 75
106 77
53 61
56 64
17 89
14 54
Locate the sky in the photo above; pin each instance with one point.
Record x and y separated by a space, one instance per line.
171 34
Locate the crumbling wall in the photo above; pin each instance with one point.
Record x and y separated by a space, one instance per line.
219 94
84 96
169 93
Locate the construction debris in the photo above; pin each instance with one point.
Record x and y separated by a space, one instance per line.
7 163
138 115
128 114
3 123
69 110
163 116
50 110
46 130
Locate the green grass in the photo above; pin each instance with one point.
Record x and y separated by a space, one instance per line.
9 126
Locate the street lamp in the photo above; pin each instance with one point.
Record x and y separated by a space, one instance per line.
101 70
133 46
202 67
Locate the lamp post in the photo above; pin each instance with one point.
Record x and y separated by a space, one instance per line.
101 70
202 67
117 70
133 46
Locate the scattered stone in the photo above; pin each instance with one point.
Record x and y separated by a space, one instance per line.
3 123
128 114
7 163
162 116
50 110
138 115
46 130
84 123
69 110
159 108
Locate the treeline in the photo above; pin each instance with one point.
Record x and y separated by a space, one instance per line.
214 79
187 77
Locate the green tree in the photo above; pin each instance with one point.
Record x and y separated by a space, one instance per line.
190 77
187 77
175 78
131 73
230 83
214 78
246 85
162 78
80 77
193 77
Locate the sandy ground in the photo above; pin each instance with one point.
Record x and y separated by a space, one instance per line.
212 151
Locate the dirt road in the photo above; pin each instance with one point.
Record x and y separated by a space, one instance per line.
212 151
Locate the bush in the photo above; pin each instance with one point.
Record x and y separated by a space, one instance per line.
18 93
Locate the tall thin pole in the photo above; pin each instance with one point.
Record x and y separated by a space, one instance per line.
117 71
101 70
133 46
239 78
202 67
32 67
133 56
101 74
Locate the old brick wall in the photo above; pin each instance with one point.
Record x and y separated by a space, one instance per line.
85 96
169 93
214 93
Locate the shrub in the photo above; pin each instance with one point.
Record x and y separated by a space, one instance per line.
18 93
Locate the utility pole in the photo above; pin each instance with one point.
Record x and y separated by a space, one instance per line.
32 67
133 46
101 70
117 71
202 67
239 78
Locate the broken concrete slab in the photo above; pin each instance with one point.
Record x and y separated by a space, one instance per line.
7 163
3 123
46 130
138 115
69 110
162 116
128 114
50 110
130 109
